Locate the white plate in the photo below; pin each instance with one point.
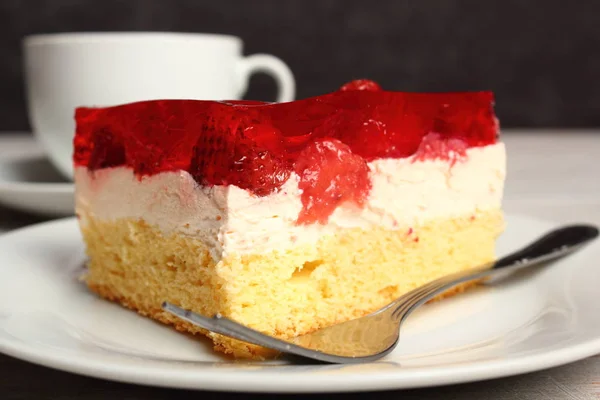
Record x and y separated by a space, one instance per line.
49 318
30 183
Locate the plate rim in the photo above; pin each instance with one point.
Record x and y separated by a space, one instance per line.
243 380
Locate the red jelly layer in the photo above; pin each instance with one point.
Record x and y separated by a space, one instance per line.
256 145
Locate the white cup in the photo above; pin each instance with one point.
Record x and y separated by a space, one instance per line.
67 70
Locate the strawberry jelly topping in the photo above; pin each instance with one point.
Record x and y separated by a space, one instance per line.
256 145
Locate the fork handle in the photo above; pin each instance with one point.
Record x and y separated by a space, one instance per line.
554 244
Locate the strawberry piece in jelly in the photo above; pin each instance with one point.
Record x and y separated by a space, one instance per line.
435 147
106 151
330 174
240 150
361 84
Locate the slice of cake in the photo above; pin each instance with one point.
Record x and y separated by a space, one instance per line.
286 217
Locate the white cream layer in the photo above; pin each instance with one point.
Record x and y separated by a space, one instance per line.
405 192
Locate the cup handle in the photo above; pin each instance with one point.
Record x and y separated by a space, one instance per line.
273 66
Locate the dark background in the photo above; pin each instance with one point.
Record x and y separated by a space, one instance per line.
542 58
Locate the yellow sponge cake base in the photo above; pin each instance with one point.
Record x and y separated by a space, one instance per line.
284 294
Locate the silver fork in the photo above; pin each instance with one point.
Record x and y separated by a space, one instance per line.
371 337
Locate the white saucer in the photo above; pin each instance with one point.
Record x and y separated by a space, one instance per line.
30 183
49 318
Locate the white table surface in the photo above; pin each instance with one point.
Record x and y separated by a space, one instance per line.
552 174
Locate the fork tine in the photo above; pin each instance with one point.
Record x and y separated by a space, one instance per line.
232 329
227 327
216 324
